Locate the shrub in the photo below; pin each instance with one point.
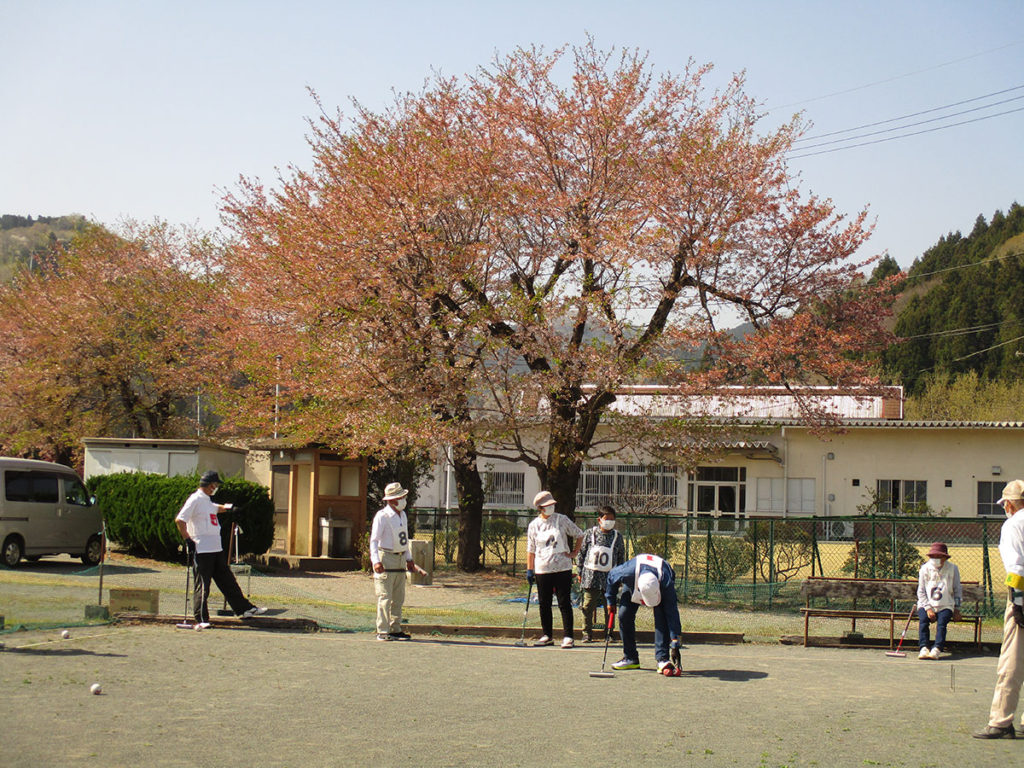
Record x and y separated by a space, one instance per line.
139 510
724 561
499 536
655 544
791 553
908 560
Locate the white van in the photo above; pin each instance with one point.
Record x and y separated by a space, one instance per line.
46 510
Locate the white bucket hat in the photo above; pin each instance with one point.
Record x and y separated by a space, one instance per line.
394 491
543 499
649 589
1013 491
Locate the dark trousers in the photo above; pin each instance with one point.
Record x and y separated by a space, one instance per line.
941 620
559 584
214 566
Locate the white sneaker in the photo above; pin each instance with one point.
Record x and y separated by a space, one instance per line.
924 654
254 611
934 653
542 640
203 625
567 642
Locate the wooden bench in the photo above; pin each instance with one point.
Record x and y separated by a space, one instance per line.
882 590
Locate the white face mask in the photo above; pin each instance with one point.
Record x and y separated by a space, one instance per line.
546 511
607 525
936 562
400 504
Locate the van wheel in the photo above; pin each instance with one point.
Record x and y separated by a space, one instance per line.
12 551
93 551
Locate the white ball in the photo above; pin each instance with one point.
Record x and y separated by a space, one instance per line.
65 634
95 689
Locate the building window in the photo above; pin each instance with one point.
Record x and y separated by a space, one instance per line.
717 490
504 489
635 487
988 495
800 498
904 496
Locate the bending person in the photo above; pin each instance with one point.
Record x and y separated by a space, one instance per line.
646 580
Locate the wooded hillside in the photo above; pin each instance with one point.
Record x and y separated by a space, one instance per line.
23 238
962 308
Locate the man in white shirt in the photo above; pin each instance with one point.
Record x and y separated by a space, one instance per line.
199 525
1010 670
391 556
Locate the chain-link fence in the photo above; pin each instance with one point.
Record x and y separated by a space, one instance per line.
756 562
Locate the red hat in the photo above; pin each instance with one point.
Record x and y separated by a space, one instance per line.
938 550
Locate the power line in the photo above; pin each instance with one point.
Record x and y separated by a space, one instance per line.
905 135
989 260
959 331
915 114
911 125
897 77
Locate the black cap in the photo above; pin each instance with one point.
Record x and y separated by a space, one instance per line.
209 476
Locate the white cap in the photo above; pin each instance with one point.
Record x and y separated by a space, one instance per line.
649 589
394 491
543 499
1013 491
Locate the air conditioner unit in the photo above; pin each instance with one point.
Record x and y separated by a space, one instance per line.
840 529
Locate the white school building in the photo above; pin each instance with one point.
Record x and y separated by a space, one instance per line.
784 469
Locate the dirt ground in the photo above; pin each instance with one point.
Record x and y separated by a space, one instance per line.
246 697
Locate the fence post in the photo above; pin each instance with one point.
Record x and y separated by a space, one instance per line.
892 532
664 541
515 542
986 567
686 563
707 566
771 560
753 589
814 548
873 533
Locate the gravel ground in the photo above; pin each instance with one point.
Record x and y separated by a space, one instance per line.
251 697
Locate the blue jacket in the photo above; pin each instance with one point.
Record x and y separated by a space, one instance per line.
624 577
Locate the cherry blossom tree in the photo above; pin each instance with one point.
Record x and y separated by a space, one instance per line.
107 337
488 263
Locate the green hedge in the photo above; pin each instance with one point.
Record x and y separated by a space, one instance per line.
140 508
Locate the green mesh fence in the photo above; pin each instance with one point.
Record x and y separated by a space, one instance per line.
758 562
722 564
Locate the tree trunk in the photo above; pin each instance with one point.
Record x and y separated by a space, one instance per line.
470 490
563 479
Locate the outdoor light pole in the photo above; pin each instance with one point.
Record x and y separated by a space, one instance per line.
277 394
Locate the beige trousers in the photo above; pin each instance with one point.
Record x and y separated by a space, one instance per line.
390 590
1009 673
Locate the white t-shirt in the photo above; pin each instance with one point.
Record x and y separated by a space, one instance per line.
937 588
389 533
200 516
1011 544
550 541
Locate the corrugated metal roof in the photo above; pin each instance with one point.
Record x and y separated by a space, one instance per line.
887 423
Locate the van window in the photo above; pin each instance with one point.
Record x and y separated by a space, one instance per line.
75 493
31 486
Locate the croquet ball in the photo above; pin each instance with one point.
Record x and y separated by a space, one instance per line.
95 689
65 634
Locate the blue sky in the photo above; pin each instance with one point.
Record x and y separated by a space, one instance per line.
152 109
